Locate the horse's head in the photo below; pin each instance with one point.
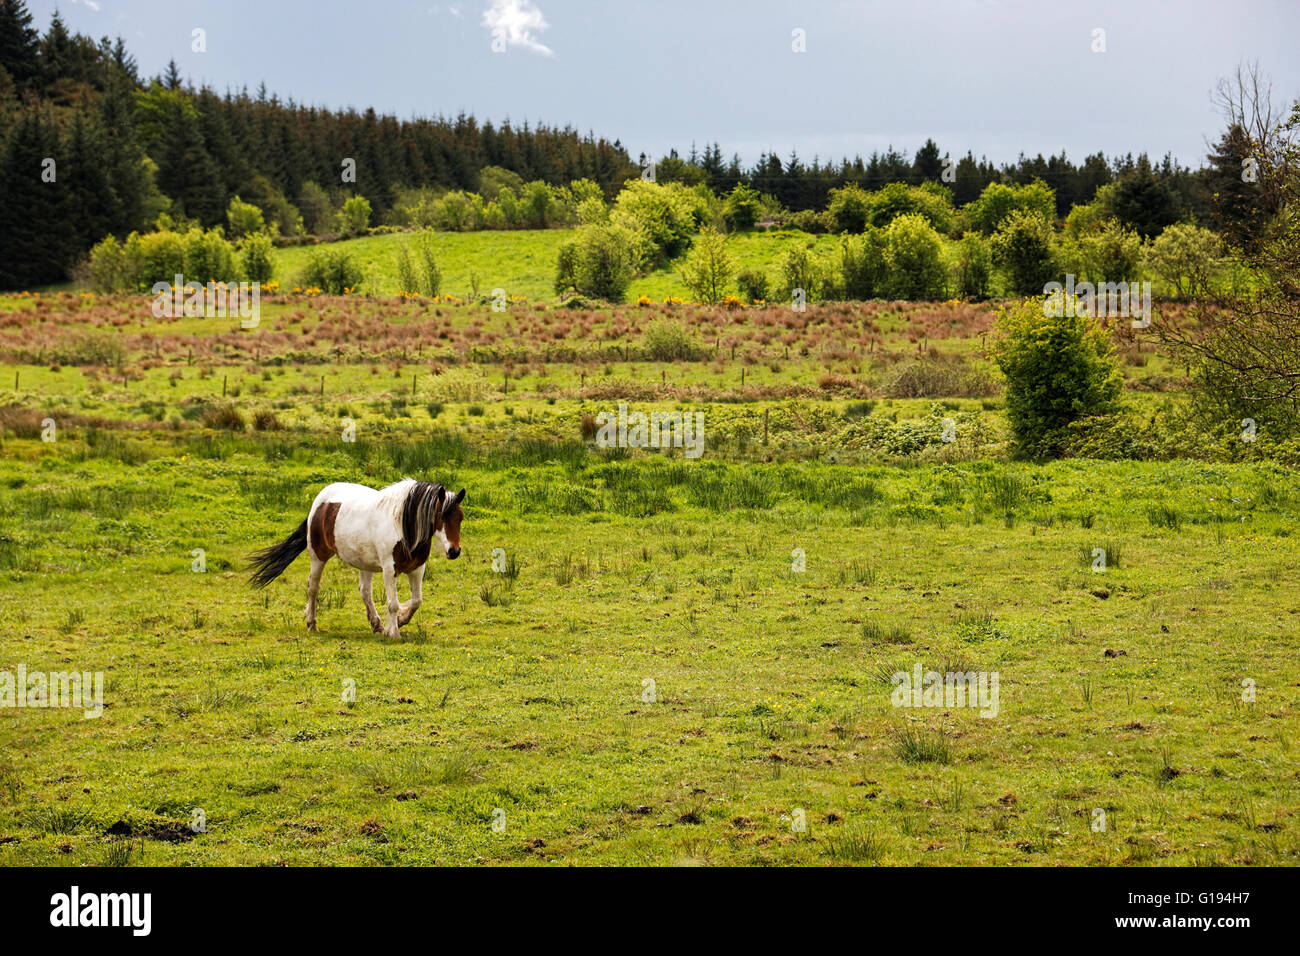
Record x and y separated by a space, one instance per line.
447 525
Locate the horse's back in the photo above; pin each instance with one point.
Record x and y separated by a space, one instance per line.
345 492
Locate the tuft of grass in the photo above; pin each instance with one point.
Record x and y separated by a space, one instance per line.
858 572
1111 551
225 415
11 783
510 570
118 853
913 745
495 593
569 569
212 697
951 798
860 847
407 770
1006 492
1164 516
58 819
878 633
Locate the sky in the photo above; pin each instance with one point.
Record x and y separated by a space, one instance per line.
828 79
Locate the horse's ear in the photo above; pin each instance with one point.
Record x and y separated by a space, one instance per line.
452 502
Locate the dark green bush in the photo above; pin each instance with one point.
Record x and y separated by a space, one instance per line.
599 262
1025 246
333 271
1058 369
753 285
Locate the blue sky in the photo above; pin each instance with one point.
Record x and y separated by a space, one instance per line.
996 77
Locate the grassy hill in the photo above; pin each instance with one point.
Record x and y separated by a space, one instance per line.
522 262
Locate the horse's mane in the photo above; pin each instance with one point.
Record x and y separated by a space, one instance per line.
415 508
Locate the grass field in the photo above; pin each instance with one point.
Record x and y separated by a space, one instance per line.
523 262
650 678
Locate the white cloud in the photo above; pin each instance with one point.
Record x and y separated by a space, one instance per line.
517 22
89 4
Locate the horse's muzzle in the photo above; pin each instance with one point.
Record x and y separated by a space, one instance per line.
453 554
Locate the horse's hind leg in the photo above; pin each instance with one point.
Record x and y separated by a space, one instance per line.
368 599
407 610
313 587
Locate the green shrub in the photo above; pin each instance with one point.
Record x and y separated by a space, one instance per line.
600 261
354 217
1025 247
801 271
161 255
592 211
333 271
753 285
809 220
458 211
929 200
849 208
707 269
407 280
667 341
256 258
862 265
998 201
208 256
244 218
1085 218
107 266
419 273
1058 369
430 274
742 208
1186 257
154 257
913 259
1106 253
663 216
538 206
974 267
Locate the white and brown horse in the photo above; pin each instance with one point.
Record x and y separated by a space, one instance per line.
391 531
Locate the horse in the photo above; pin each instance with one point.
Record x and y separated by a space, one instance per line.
390 530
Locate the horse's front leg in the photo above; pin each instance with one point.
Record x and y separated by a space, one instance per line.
390 593
368 599
416 578
313 588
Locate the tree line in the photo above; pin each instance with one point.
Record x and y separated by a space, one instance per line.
89 148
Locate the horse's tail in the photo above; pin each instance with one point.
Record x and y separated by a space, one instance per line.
269 563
